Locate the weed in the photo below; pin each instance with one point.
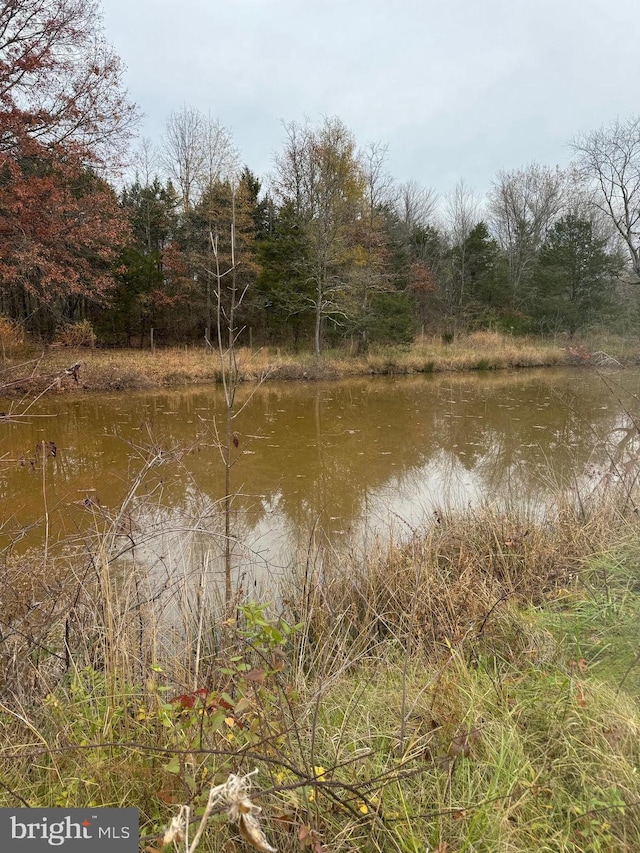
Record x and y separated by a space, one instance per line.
474 688
78 334
130 369
11 338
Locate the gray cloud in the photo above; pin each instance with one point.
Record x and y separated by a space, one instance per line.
457 89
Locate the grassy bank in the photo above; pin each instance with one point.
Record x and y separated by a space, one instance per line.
473 689
29 371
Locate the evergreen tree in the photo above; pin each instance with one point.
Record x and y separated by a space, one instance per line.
222 204
573 283
486 275
143 298
284 293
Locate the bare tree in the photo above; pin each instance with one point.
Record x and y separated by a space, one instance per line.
415 205
582 202
220 164
372 274
220 161
379 183
608 160
146 161
294 167
522 205
230 290
198 154
462 208
184 152
461 216
227 334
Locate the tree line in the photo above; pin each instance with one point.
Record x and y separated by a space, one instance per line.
329 249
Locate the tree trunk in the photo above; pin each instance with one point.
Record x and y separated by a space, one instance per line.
318 328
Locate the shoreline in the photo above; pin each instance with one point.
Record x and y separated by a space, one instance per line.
472 660
474 686
77 370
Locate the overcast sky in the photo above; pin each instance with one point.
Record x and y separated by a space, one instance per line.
455 88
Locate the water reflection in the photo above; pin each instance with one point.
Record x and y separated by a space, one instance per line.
318 457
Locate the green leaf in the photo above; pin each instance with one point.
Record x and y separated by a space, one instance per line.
173 765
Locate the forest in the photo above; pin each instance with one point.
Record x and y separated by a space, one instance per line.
441 653
108 237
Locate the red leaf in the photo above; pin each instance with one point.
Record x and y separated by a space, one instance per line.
186 700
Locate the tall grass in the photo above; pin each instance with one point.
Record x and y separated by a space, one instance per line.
446 693
113 370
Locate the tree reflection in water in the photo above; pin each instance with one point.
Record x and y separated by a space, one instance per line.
326 464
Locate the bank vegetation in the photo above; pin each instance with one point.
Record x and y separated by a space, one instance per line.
27 368
471 687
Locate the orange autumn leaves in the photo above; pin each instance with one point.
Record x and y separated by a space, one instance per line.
64 115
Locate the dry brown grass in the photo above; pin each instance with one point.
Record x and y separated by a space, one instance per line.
11 338
78 334
116 370
416 702
491 350
448 582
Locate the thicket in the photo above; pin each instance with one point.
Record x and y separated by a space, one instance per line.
331 250
474 687
380 265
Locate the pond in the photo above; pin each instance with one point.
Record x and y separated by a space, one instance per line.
330 463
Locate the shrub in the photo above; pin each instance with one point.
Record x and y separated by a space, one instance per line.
78 334
11 336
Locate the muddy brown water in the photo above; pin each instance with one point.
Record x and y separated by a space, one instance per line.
332 463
